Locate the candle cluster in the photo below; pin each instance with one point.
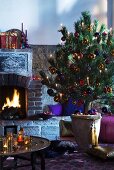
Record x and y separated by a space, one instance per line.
23 139
12 142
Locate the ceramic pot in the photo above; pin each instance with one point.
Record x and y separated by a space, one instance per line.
82 126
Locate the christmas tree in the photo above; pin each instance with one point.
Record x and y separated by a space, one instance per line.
83 65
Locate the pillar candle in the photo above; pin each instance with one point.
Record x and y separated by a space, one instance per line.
26 33
22 27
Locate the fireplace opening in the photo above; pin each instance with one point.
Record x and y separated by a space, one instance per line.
10 129
13 102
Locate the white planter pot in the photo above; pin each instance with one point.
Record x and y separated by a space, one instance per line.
82 128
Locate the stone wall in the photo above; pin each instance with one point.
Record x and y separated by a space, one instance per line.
43 128
40 55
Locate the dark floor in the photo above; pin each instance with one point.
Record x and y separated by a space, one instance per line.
69 159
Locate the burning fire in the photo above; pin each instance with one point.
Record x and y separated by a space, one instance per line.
14 102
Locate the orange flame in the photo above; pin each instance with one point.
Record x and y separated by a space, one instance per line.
14 102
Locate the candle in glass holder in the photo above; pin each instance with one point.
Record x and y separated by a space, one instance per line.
5 144
26 140
15 143
20 138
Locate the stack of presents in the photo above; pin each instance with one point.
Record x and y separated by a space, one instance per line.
13 39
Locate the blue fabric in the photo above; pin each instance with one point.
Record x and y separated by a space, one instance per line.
69 108
56 109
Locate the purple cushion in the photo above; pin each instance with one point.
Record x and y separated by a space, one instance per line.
56 109
107 129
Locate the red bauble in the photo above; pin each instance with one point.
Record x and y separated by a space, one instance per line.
76 34
85 93
80 55
104 33
81 82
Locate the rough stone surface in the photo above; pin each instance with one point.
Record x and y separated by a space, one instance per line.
44 128
32 130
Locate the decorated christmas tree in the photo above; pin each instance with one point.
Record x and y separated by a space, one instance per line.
82 68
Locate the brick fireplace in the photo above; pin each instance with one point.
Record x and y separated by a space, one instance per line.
16 73
23 76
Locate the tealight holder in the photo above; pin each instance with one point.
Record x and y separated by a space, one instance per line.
27 140
20 137
5 145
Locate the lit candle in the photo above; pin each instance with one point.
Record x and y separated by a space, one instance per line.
88 81
92 137
27 140
110 30
48 80
26 33
61 95
100 71
5 145
22 27
50 56
20 138
61 25
68 34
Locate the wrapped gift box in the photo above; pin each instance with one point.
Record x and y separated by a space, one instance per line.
8 40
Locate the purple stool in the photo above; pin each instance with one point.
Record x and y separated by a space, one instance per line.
107 129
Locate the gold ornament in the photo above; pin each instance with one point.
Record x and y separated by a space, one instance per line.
101 66
89 28
52 70
75 56
112 52
109 42
85 41
80 55
91 56
74 68
77 69
109 89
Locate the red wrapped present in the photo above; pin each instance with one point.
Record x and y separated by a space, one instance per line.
3 40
